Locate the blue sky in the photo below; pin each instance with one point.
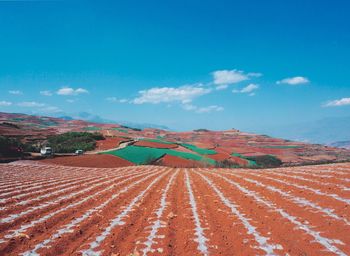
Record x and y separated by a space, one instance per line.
184 64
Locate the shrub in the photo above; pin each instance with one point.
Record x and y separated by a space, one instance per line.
71 141
267 161
226 164
10 147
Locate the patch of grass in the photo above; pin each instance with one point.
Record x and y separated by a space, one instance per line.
141 155
202 151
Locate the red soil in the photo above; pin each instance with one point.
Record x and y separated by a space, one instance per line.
101 161
61 210
109 143
150 144
219 156
174 161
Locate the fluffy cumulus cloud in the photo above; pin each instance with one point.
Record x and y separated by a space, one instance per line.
15 92
68 91
226 77
183 94
46 93
297 80
249 89
338 103
31 104
4 103
208 109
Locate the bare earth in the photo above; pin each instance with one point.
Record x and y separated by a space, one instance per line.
153 210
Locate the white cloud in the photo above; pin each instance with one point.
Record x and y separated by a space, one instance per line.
5 103
212 108
221 87
70 91
297 80
338 103
116 100
209 109
30 104
46 93
71 101
250 88
226 77
184 94
15 92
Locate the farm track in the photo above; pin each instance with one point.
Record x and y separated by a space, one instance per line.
153 210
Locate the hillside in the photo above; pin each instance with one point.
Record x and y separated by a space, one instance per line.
231 148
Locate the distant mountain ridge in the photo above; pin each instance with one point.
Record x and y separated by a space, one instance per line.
341 144
97 119
324 131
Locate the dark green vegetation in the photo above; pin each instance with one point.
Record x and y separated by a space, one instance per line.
71 141
226 164
267 161
142 155
10 147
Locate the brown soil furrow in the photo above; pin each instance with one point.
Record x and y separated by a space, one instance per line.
325 200
322 219
73 223
44 196
323 186
123 227
298 236
47 207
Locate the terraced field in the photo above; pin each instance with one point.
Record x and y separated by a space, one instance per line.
152 210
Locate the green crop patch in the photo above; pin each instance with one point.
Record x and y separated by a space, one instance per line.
120 130
142 155
159 141
251 163
202 151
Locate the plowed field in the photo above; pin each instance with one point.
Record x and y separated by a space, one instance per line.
153 210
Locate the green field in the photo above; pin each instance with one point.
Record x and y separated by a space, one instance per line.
251 163
120 130
142 155
159 141
202 151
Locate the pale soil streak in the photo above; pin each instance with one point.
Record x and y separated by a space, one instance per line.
117 221
303 187
25 227
12 217
69 228
264 245
199 232
159 214
297 200
327 243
